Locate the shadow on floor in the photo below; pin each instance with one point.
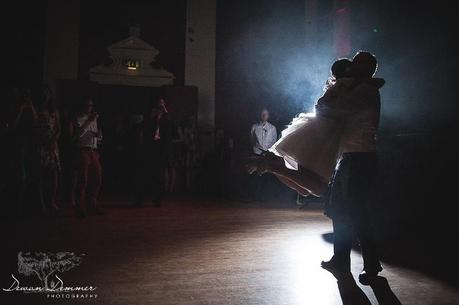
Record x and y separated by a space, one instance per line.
351 294
403 254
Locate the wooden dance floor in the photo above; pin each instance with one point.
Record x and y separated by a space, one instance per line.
205 253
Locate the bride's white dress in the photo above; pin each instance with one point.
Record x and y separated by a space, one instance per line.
312 144
312 139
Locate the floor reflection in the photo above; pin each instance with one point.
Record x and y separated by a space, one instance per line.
310 284
308 281
225 255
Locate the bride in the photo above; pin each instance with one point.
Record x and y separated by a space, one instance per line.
305 156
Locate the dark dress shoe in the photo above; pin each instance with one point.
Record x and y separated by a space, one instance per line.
369 277
337 264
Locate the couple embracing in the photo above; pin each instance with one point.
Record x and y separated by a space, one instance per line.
334 149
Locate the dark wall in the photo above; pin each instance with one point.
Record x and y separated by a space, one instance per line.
257 45
262 60
162 22
413 45
23 29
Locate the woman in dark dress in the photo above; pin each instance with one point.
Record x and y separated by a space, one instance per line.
48 130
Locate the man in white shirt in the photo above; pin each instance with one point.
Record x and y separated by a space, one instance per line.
87 134
352 182
263 134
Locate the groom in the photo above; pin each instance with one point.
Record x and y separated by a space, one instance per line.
353 180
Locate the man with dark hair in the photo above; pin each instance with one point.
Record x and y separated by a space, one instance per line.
364 65
156 139
353 180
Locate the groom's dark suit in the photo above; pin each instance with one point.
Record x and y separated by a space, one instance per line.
352 183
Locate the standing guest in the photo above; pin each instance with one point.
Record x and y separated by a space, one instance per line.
191 152
87 135
174 160
118 142
134 149
23 157
156 140
68 157
48 133
263 135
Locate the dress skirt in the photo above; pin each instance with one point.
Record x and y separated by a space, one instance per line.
311 142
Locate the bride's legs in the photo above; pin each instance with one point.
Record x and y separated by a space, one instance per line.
301 179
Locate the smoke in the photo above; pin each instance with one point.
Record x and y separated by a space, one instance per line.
277 65
412 44
266 59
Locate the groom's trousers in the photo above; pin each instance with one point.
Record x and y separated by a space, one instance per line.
350 205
